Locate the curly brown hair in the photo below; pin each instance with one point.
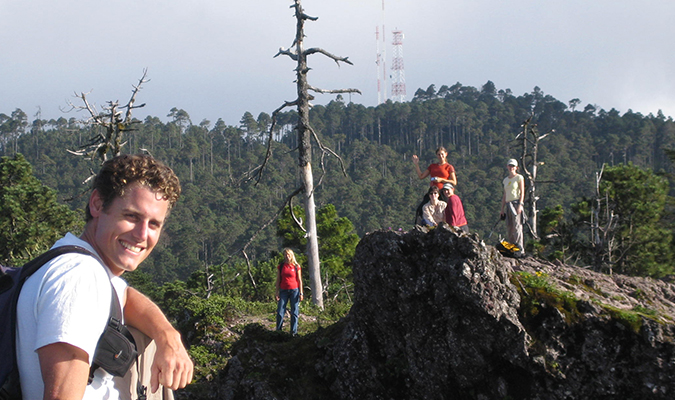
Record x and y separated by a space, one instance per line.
122 171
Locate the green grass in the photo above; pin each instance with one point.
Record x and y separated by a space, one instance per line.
537 291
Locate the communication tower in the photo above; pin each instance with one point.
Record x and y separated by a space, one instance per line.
381 62
397 70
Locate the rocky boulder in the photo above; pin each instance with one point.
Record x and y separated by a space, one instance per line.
440 315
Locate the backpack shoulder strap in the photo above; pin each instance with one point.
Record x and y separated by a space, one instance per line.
33 265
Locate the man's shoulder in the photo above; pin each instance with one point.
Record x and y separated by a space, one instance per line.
77 268
71 240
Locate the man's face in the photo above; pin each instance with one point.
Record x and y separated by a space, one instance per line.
127 232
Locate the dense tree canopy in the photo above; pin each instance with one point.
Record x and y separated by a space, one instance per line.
221 207
31 219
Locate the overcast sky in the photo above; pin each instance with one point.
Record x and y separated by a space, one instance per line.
214 59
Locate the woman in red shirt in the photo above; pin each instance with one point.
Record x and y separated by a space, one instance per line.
289 288
441 172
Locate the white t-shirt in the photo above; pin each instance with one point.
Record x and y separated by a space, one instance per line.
65 301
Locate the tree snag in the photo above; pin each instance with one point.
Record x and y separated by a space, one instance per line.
110 139
298 53
530 136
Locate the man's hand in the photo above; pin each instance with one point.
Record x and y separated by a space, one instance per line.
172 366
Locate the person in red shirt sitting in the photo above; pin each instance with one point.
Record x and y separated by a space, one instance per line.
289 288
454 212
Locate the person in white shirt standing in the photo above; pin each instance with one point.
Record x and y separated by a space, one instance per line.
63 308
512 204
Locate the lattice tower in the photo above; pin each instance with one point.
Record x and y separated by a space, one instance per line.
397 69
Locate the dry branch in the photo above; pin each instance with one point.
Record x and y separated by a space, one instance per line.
111 139
243 249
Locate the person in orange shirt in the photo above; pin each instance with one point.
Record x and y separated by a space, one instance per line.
441 172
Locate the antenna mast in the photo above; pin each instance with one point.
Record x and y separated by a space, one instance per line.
398 72
381 62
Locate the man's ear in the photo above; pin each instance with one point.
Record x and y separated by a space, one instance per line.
95 204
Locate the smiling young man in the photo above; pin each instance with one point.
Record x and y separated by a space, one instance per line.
64 307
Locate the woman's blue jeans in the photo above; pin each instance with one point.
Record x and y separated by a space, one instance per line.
285 296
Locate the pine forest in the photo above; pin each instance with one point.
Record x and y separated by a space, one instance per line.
591 162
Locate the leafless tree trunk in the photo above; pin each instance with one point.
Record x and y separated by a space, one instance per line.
602 232
595 214
530 137
298 53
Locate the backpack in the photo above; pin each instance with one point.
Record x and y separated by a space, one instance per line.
509 249
115 351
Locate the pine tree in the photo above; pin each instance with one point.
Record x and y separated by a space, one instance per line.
31 218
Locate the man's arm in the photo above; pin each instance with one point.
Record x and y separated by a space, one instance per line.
65 371
172 366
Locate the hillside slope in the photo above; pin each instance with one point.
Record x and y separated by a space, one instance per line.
438 315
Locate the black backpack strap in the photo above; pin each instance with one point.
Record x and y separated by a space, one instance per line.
33 265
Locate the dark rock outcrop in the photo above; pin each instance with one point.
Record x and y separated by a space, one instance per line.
438 315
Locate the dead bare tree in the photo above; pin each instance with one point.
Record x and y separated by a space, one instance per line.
603 228
109 140
530 146
299 54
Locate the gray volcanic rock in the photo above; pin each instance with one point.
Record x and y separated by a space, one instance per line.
440 315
